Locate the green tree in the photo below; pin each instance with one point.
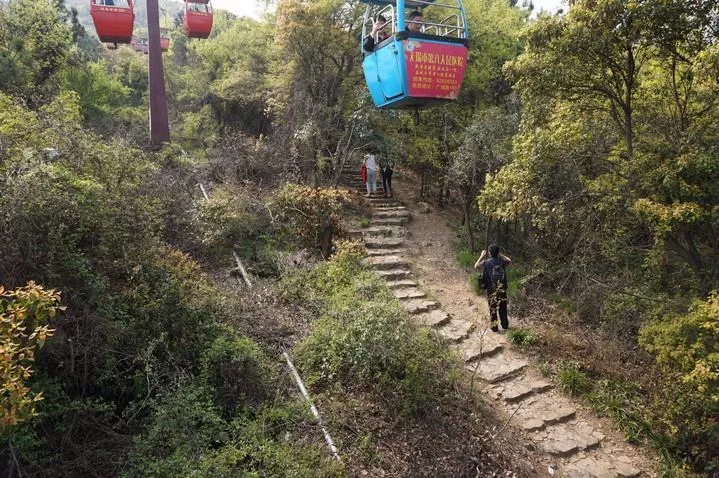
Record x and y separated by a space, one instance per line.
35 42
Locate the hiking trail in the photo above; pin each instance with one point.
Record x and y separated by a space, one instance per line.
411 250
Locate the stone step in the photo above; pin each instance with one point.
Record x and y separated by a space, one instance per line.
386 262
419 306
402 294
497 368
383 243
389 221
385 231
601 465
387 214
401 284
384 252
390 208
379 201
394 274
565 439
434 318
519 388
456 330
477 346
549 408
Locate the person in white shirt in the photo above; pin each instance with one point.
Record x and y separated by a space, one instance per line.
370 163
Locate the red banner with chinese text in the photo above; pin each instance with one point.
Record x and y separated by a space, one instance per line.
434 70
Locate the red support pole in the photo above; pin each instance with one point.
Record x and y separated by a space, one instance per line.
159 124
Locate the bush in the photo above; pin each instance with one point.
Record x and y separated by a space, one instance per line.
188 438
312 214
238 372
687 402
226 219
362 341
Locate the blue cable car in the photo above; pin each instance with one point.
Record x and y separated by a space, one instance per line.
418 55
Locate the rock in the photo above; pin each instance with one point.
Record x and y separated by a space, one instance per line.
424 208
496 368
456 330
435 318
626 470
409 294
386 262
418 306
532 425
401 284
561 448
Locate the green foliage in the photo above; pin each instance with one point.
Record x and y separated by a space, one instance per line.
226 219
474 284
311 214
189 438
363 342
571 378
25 314
466 258
34 45
687 354
238 373
622 403
522 337
545 368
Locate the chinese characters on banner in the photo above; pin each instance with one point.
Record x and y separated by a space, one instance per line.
435 70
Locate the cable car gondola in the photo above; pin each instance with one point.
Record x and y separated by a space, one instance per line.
417 66
198 18
164 40
113 20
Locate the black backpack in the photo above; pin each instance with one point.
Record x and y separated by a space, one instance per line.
498 277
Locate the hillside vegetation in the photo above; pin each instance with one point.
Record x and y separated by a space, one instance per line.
585 142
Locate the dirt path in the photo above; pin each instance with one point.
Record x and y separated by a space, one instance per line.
412 250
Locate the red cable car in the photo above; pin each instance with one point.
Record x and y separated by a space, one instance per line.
113 20
164 40
198 18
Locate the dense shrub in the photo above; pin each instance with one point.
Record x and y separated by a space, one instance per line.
312 214
238 372
687 403
362 340
189 438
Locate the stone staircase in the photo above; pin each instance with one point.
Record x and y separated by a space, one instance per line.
574 444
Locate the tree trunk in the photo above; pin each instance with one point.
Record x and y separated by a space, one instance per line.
467 220
486 232
629 85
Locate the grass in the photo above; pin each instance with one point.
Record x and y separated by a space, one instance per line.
621 402
545 368
571 378
522 337
364 223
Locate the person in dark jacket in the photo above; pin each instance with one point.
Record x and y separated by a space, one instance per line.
380 32
494 275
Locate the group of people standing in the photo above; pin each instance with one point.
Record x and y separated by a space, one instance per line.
369 170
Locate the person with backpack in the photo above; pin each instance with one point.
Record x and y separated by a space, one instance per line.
494 281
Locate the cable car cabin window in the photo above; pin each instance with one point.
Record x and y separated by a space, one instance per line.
198 7
112 3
